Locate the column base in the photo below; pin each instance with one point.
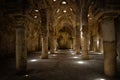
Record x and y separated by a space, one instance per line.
85 57
52 52
77 52
44 57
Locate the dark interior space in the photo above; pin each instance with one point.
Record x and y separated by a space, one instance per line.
59 39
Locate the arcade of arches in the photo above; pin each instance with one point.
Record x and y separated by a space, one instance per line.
28 26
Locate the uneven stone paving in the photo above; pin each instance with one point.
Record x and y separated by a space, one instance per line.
60 66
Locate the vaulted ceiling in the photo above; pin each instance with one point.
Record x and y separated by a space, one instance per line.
63 11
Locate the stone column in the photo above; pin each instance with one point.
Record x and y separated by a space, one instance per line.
52 33
74 38
44 32
77 41
91 43
52 44
44 54
73 43
108 30
101 45
84 24
21 50
95 43
77 33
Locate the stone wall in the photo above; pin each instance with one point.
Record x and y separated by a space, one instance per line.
7 35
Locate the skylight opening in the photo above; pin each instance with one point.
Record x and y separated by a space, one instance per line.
64 11
54 0
64 2
35 17
100 79
36 10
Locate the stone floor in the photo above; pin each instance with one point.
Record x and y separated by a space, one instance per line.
63 65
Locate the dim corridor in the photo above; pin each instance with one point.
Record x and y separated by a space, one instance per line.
63 65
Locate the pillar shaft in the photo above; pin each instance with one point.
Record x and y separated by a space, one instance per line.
95 45
44 54
77 33
109 58
78 39
73 44
84 54
21 50
52 45
51 32
100 45
44 31
74 39
91 44
84 20
108 30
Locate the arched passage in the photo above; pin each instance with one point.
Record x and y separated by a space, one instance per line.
64 38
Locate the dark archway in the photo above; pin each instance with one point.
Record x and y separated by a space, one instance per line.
64 39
